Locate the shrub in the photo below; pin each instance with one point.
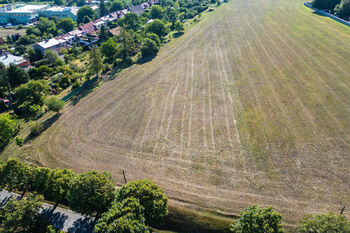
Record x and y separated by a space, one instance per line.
54 103
324 223
151 198
255 219
76 85
149 48
19 141
36 128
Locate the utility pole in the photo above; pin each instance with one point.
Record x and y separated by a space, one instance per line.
124 177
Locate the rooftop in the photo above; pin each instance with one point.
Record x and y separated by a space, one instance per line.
74 10
48 43
9 58
29 8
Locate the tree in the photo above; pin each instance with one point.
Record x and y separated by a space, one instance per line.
86 19
59 2
21 216
128 44
149 48
41 179
116 5
54 103
157 27
7 129
171 15
130 21
84 11
95 63
123 217
343 9
255 219
91 192
103 33
4 84
51 57
324 223
109 50
30 96
103 8
151 198
156 12
58 184
16 75
325 4
34 55
66 24
17 175
179 27
155 38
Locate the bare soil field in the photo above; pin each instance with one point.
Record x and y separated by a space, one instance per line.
250 106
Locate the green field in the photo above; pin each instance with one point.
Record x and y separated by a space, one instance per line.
250 106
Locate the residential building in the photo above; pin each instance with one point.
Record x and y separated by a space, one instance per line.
60 12
22 14
136 9
115 31
8 59
53 44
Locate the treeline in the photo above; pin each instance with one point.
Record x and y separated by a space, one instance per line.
255 219
132 208
340 8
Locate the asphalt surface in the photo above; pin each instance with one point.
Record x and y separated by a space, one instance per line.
62 219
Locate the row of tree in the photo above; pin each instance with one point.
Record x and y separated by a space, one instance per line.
90 193
255 219
340 8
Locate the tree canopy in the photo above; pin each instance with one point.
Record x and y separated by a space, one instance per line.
7 129
54 103
95 63
255 219
16 175
84 11
116 5
151 198
157 27
21 216
16 75
123 217
343 9
156 12
324 223
66 24
91 192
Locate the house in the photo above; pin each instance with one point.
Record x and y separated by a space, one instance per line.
47 44
8 59
136 9
87 28
60 12
22 14
115 31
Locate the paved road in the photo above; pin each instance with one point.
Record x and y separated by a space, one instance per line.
63 219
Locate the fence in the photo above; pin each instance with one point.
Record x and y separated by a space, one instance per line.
79 89
328 15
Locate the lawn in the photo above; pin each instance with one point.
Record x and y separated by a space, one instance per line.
250 106
11 31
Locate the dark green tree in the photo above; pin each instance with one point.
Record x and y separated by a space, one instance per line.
151 198
255 219
95 62
16 75
58 185
117 5
324 223
85 11
34 55
155 38
157 27
103 33
66 24
130 21
123 217
103 8
343 9
22 216
41 179
17 175
179 27
91 192
149 48
156 12
109 50
325 4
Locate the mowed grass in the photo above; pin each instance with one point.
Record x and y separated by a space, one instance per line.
250 106
11 31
